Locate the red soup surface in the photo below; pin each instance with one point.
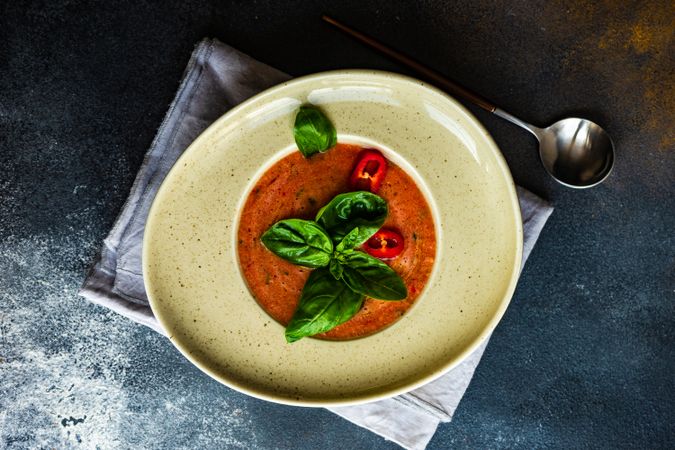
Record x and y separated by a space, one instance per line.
296 187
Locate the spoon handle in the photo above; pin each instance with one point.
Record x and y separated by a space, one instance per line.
521 123
450 86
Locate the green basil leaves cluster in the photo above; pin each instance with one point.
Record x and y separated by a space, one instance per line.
313 131
344 276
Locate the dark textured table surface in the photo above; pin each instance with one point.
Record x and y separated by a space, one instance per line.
585 355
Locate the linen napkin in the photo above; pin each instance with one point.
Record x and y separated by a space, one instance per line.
217 78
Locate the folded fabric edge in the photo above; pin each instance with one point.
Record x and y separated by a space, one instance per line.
97 288
409 427
409 398
535 212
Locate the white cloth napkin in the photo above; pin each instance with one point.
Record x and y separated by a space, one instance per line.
217 78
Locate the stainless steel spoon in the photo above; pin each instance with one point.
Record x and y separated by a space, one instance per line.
576 152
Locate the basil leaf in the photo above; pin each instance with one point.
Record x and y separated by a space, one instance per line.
371 277
350 241
345 212
324 304
313 131
301 242
335 268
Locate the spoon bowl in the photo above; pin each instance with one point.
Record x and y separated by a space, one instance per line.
576 152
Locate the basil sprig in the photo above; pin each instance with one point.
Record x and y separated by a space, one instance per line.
343 277
313 131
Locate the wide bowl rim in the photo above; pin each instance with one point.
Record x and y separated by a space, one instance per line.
371 396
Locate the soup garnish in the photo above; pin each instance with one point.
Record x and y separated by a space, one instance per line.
343 276
313 132
369 172
385 244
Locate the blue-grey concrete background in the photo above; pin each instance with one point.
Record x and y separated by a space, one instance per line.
585 356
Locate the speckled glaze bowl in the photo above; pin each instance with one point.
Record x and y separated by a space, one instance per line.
199 296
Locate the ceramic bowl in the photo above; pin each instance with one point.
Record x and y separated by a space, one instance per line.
199 296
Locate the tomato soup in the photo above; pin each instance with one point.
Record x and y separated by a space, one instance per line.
296 187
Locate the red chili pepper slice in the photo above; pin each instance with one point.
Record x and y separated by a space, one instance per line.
385 244
369 171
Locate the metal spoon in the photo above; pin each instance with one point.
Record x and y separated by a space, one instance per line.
576 152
